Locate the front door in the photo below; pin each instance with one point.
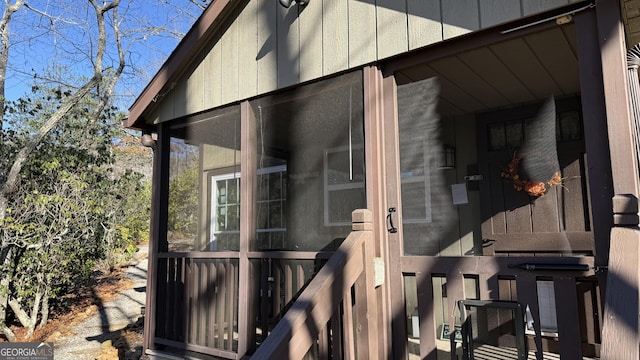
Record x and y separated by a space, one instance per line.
534 188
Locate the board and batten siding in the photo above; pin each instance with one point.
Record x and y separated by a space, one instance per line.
267 47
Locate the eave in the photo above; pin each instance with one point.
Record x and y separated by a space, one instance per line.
179 59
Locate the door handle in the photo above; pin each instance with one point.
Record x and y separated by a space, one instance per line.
390 227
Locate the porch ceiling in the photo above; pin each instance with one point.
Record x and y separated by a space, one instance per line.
631 18
505 74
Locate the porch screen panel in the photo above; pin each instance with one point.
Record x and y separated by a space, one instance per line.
429 219
310 165
204 175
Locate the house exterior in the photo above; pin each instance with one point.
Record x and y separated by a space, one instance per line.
383 179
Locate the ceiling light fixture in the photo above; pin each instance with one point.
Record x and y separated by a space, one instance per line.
287 3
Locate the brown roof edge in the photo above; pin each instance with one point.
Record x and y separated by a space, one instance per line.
140 125
179 59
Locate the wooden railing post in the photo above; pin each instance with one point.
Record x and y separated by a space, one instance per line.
366 303
620 335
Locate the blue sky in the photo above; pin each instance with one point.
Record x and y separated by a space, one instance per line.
64 41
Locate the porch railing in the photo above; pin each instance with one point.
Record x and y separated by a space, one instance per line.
334 311
196 304
575 294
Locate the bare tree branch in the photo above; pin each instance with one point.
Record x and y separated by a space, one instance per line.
9 10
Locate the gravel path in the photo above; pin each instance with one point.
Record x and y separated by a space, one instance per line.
92 339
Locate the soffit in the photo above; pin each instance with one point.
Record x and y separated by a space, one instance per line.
504 74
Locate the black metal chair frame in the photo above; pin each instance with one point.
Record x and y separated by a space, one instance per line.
467 331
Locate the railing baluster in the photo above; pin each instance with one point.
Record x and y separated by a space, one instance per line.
568 319
277 291
211 294
232 286
347 325
192 281
288 283
427 317
528 295
323 344
489 286
202 300
162 298
455 292
300 277
264 297
336 334
220 306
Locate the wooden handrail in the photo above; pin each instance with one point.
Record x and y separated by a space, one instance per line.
351 266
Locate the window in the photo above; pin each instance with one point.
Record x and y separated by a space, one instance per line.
414 176
225 209
272 204
344 184
547 306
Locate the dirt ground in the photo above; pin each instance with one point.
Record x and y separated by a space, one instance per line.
82 305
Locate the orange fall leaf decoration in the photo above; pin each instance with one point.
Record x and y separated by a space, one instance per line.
531 187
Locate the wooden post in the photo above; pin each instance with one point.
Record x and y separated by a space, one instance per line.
376 195
620 336
616 96
366 300
246 291
158 233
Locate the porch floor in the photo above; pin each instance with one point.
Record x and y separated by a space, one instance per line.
482 352
488 352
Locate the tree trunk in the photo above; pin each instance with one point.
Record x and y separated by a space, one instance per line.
18 311
5 280
4 53
35 309
45 308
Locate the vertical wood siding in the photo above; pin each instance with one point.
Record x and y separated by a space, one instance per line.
266 47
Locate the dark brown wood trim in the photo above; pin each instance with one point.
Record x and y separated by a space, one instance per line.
248 176
376 195
569 242
568 318
616 96
600 178
294 255
392 172
158 231
490 265
190 45
621 297
200 255
526 291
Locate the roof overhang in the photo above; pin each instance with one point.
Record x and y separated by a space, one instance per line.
179 59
